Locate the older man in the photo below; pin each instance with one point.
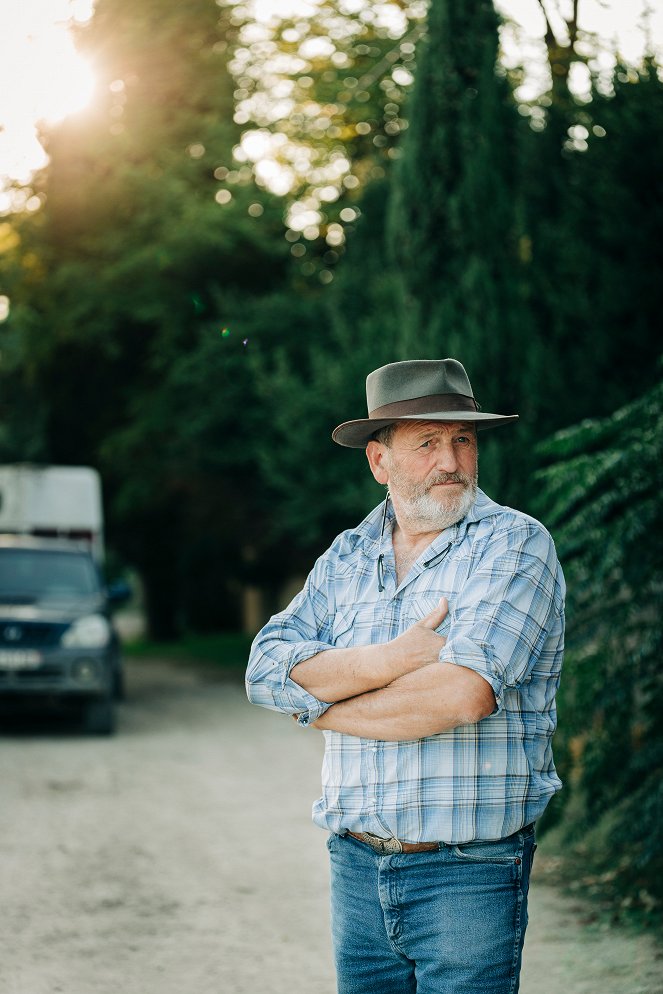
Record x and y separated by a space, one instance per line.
427 645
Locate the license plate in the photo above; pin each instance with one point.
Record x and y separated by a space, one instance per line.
19 659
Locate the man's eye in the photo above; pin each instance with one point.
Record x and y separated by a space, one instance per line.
463 439
425 444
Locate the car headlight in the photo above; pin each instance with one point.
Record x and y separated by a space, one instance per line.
87 671
90 632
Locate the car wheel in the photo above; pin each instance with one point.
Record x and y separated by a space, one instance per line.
99 716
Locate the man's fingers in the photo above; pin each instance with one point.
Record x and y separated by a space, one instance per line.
437 615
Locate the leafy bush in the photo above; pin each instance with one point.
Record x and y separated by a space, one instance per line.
601 496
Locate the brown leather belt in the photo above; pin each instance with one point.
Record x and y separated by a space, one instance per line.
386 847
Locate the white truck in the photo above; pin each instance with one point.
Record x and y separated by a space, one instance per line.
58 644
53 502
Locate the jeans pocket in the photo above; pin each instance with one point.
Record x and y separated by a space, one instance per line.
506 851
531 855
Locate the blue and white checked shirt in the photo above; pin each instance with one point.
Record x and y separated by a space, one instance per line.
499 570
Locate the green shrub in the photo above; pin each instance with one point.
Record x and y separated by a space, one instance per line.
601 497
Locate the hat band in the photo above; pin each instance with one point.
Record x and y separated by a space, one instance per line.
426 405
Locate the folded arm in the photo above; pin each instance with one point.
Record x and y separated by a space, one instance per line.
337 674
424 702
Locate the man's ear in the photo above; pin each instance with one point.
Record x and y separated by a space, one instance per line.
376 453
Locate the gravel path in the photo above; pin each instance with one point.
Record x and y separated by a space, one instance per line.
144 864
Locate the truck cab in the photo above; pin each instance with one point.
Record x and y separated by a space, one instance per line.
57 640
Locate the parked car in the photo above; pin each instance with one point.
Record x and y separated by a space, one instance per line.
57 640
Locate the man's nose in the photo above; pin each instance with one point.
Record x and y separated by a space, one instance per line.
446 458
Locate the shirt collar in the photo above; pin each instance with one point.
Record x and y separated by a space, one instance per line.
483 507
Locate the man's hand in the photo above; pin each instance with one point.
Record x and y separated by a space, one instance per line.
420 644
337 674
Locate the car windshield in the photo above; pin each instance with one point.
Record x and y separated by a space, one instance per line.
30 575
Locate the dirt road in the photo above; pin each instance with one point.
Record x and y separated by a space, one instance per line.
179 858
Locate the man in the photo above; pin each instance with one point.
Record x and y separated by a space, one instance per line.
427 645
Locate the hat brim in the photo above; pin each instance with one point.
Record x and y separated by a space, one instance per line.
357 434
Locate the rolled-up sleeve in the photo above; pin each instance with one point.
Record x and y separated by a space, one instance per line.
501 618
300 631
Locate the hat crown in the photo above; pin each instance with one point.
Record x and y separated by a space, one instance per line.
400 381
417 390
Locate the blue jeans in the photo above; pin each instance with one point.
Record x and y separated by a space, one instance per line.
451 921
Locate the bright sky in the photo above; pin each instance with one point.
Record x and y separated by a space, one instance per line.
43 78
41 75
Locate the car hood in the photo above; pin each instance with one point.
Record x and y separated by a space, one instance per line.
54 611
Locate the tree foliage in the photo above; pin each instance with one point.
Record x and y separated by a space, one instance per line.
600 495
477 236
455 216
330 82
154 301
122 284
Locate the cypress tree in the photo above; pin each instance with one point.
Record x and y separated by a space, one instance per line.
453 225
594 215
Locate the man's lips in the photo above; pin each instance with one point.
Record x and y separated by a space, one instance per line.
448 483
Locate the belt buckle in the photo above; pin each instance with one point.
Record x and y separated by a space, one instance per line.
384 847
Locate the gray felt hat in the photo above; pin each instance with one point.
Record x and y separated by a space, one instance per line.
417 390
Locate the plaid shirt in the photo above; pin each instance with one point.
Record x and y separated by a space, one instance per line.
500 573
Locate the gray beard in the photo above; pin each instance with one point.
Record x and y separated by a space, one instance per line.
421 511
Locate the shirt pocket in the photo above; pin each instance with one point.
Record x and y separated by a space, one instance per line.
343 627
358 624
418 607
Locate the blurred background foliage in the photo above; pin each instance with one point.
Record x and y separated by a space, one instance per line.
600 493
253 215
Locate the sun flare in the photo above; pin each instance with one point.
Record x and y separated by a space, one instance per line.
42 77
